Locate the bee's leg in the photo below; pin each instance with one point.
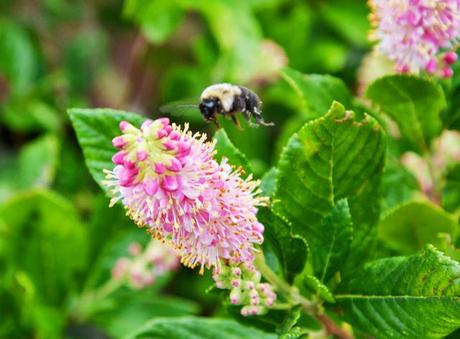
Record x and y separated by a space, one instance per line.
247 116
214 120
260 120
236 121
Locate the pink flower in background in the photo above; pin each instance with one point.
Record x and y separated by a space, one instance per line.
418 34
142 268
168 180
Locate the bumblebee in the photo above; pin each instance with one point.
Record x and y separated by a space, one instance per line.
228 100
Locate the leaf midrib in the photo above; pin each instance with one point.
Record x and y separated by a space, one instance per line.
393 297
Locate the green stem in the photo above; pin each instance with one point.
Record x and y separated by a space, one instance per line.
434 194
88 302
271 277
295 298
291 293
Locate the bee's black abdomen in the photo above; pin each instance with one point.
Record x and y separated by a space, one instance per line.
251 100
239 104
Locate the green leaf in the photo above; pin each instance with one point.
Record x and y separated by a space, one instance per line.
239 44
46 240
445 245
131 309
84 58
274 321
413 103
329 159
416 296
349 18
114 247
365 208
108 241
268 182
197 328
38 161
316 92
451 191
315 286
25 115
331 241
95 129
292 252
411 226
398 185
225 148
157 18
18 61
278 25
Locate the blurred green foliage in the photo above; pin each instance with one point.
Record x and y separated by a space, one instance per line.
59 239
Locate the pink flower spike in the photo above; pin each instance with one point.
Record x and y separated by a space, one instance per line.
164 121
135 249
258 227
142 155
161 133
150 187
237 271
126 127
415 34
160 168
175 166
174 136
126 181
432 66
447 72
170 183
129 165
120 268
184 148
119 158
169 145
450 58
118 142
146 124
182 195
236 283
403 69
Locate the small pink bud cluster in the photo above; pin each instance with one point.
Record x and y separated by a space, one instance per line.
168 180
418 34
245 287
142 268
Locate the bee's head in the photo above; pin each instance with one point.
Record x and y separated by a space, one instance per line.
209 108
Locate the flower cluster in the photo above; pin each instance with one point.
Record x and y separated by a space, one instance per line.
168 181
144 267
445 154
418 34
245 287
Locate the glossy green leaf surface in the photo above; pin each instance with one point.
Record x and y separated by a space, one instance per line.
415 297
197 328
95 130
329 159
316 92
409 227
413 103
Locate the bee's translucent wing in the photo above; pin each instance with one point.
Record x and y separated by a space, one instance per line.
185 109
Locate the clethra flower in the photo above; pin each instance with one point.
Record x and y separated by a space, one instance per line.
142 268
245 287
418 34
168 181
